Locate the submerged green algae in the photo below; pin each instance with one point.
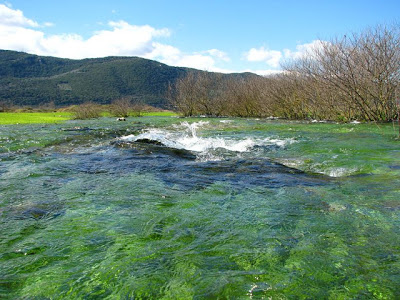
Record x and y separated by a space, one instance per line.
72 227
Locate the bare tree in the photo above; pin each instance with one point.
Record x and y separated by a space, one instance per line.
363 68
247 97
183 95
138 106
197 93
352 77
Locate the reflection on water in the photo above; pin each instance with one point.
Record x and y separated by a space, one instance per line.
178 209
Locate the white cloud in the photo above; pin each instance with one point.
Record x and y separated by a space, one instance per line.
164 52
205 60
270 57
121 39
14 17
197 61
21 39
218 54
274 58
303 50
48 24
266 72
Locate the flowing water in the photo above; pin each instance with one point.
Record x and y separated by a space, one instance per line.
170 208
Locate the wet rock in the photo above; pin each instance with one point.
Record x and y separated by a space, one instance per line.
149 141
155 147
35 213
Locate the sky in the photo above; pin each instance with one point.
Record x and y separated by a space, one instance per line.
220 35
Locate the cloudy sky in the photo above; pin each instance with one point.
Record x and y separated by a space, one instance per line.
219 35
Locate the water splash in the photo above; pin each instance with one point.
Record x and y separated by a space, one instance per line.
185 136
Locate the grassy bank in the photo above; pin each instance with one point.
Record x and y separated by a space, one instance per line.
34 117
7 118
159 114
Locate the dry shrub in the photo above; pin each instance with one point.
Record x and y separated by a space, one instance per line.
87 110
121 107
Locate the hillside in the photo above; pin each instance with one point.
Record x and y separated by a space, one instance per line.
27 79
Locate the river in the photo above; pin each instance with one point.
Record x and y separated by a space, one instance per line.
172 208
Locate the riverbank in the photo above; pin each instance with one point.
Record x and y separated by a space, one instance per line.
10 118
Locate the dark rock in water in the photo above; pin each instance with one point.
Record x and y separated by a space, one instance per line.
35 213
153 147
149 141
182 153
257 172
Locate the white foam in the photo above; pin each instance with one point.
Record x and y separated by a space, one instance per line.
292 162
339 172
184 136
191 142
278 142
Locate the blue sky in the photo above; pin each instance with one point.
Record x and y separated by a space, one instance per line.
225 36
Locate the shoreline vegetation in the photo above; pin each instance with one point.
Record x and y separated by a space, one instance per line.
354 77
30 115
351 78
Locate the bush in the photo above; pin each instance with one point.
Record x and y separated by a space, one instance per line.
87 110
121 107
4 107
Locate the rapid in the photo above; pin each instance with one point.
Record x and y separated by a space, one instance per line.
171 208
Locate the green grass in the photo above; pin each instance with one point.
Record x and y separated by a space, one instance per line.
107 114
58 117
160 114
36 117
144 114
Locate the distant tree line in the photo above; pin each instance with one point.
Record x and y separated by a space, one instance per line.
353 77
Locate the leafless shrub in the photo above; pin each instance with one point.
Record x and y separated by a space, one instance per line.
246 97
364 69
4 106
121 107
353 77
47 107
197 93
138 106
88 110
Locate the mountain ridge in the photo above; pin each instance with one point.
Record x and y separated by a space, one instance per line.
28 79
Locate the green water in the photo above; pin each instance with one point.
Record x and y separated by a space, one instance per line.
305 211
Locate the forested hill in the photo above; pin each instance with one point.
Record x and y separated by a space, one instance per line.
27 79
